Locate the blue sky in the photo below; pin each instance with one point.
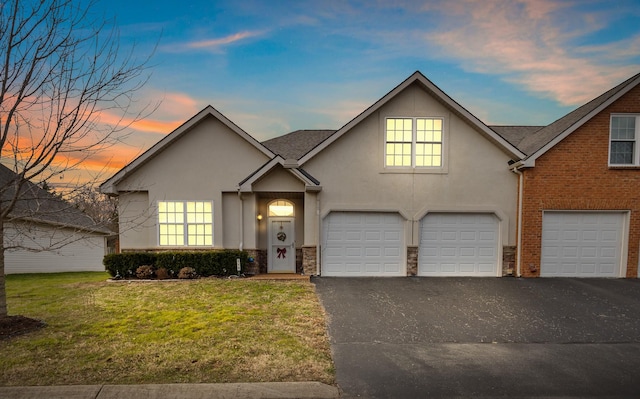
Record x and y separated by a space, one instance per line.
273 67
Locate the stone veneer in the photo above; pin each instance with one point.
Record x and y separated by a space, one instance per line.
309 260
412 260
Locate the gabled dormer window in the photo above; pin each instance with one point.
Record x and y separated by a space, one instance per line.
414 142
623 148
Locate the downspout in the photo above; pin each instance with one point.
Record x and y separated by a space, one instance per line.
519 229
241 244
319 235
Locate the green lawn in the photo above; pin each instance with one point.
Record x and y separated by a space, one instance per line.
210 330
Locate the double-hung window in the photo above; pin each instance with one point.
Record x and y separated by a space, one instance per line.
414 142
623 147
185 223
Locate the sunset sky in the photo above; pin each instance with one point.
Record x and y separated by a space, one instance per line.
273 67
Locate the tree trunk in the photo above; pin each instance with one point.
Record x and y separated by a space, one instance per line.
3 291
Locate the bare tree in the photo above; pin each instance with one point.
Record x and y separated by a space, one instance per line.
66 92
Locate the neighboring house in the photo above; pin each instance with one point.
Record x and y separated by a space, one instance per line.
581 190
414 185
45 234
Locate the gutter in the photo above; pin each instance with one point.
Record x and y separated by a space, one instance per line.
519 229
241 243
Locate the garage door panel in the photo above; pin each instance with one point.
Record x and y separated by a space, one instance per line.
463 244
372 244
581 244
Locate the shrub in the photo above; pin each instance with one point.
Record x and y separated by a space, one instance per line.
205 263
126 264
145 272
162 274
187 273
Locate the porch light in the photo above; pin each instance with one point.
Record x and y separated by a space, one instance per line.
259 217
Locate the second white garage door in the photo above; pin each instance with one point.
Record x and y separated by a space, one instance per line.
581 244
458 244
363 244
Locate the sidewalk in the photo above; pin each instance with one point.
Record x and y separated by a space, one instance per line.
264 390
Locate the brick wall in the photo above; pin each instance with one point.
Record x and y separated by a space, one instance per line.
574 175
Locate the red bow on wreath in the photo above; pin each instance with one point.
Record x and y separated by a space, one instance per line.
282 252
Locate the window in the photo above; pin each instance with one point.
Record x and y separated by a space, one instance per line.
185 223
413 142
622 148
281 208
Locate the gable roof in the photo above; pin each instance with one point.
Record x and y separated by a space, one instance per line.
108 187
296 144
38 205
311 183
426 84
542 140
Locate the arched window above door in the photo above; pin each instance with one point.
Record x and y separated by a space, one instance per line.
281 208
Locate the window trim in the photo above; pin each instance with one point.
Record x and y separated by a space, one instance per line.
185 224
636 150
413 168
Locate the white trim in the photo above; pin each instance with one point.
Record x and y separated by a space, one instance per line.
636 141
413 167
185 224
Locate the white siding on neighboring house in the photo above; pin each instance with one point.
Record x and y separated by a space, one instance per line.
81 252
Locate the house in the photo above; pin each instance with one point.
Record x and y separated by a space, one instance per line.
45 234
414 185
580 190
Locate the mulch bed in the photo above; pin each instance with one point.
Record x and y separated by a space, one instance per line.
11 326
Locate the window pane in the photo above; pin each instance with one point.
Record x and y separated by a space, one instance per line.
623 127
622 152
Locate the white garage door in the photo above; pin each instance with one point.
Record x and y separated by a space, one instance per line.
458 244
363 244
581 244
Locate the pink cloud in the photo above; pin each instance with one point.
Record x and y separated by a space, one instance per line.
530 41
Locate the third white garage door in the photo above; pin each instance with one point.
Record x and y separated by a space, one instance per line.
581 244
458 244
363 244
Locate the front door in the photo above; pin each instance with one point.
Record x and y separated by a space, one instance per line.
282 246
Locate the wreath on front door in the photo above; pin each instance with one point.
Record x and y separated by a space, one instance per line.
281 236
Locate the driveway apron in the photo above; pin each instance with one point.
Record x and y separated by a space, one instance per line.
483 337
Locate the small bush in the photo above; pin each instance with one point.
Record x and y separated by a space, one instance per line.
145 272
187 273
162 274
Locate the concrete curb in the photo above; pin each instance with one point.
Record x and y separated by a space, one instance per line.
263 390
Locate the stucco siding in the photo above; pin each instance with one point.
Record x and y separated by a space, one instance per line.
476 176
200 165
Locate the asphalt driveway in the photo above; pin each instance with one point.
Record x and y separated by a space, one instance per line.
492 337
